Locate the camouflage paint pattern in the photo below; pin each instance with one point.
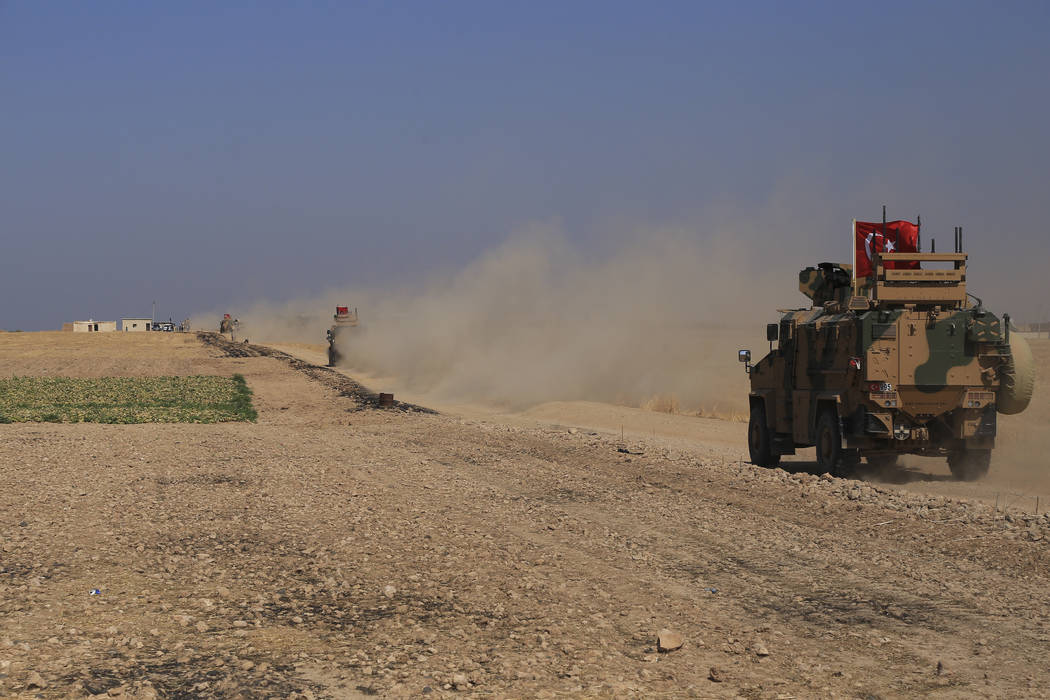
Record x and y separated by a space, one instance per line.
927 369
814 283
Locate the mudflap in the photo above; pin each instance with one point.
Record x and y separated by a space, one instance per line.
783 444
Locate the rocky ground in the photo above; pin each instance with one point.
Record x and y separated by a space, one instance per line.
336 549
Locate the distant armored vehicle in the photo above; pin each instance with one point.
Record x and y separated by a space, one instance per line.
226 325
900 362
343 320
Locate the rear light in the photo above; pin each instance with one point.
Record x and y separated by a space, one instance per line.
978 399
882 394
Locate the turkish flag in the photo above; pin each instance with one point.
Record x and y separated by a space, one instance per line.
899 237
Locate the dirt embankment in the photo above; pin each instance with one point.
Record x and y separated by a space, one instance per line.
329 551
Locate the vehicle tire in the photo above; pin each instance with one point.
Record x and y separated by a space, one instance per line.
1018 381
969 465
829 444
760 438
882 461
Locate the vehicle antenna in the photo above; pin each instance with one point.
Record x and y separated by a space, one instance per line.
883 232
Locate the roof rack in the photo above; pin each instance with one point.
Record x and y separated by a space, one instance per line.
943 286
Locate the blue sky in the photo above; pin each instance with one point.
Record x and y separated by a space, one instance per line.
203 154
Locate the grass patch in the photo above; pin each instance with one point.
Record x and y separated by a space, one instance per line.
200 399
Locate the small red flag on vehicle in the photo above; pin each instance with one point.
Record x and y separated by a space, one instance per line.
899 237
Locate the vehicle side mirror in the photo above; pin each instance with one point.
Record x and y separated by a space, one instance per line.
745 357
772 332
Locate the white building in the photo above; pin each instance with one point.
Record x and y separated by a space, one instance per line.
135 324
92 326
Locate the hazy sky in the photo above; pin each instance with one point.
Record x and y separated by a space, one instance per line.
204 154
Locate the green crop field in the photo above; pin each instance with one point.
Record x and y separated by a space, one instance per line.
201 399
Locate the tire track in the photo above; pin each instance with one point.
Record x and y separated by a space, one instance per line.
363 397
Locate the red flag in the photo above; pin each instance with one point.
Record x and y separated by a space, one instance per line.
900 237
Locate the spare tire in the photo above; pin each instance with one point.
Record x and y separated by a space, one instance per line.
1018 379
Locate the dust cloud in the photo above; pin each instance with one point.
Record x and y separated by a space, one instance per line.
1022 452
655 323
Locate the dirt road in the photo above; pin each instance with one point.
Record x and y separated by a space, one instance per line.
1018 480
335 550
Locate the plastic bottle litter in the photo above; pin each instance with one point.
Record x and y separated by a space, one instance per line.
96 591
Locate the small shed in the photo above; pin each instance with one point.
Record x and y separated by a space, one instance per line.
92 326
135 324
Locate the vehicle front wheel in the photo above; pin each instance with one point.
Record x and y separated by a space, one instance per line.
969 465
760 438
829 445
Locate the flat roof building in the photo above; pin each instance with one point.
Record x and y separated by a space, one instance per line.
92 326
135 324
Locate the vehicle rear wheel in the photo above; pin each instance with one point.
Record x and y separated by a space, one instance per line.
829 445
760 438
970 465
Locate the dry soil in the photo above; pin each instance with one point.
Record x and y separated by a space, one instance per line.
338 550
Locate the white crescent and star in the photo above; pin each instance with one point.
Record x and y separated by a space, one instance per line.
887 245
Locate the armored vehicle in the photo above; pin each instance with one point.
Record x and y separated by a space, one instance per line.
900 362
343 320
228 324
